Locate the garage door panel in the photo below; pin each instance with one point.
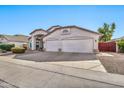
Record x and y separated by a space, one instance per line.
53 45
85 46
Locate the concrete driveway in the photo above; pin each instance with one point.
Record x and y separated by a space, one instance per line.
56 56
22 73
75 60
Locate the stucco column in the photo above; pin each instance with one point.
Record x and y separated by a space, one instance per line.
117 49
33 43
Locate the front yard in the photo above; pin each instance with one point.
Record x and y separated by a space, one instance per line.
113 62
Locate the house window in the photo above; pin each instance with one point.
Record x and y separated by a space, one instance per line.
30 45
64 32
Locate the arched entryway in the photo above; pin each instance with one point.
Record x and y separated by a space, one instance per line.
39 42
36 39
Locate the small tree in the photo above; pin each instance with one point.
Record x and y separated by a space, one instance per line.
107 31
121 45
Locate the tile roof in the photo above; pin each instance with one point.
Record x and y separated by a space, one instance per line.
116 39
37 30
53 27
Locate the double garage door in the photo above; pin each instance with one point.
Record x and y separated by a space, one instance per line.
79 46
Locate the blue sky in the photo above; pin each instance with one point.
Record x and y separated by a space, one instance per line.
24 19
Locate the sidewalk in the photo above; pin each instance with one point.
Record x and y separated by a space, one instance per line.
23 73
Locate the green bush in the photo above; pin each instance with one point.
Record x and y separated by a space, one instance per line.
121 45
6 47
18 50
0 50
25 46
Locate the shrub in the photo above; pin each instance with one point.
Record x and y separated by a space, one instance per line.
2 51
18 50
6 47
121 45
25 46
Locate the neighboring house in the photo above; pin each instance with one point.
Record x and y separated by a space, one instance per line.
116 39
18 40
65 39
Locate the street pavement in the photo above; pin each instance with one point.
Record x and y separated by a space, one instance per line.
30 74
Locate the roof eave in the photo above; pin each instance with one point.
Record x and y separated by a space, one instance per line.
76 27
37 30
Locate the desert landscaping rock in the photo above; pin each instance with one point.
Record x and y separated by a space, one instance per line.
113 62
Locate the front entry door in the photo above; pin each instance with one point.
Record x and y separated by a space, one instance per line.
39 44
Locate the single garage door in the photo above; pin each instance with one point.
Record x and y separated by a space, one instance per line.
53 45
83 46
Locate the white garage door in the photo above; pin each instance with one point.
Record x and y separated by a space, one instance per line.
53 45
83 46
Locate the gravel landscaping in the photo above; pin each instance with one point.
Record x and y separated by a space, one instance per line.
113 62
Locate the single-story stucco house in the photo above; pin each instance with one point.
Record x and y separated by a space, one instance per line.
18 40
65 39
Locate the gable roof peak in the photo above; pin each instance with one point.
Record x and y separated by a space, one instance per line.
53 27
40 29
